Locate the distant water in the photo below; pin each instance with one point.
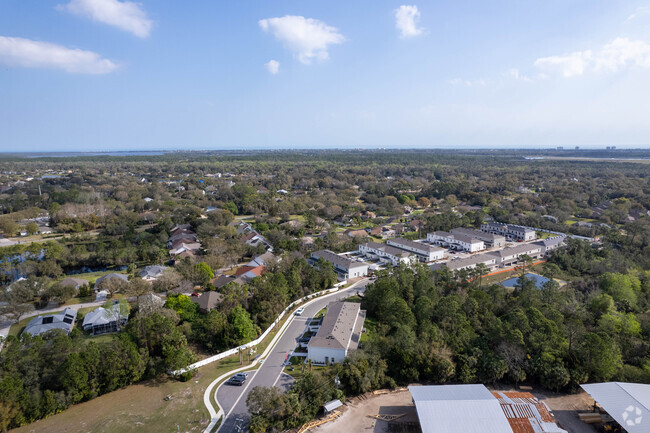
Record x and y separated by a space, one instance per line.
538 279
74 154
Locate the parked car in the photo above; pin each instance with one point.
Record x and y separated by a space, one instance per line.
242 375
237 381
299 311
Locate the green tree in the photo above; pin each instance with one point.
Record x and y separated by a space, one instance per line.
241 326
203 273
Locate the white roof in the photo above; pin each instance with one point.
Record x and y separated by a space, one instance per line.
627 403
458 409
102 316
331 405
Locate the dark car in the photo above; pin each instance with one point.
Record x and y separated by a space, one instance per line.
236 380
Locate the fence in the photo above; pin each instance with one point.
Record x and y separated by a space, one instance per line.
257 341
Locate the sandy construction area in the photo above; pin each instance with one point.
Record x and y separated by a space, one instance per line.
355 415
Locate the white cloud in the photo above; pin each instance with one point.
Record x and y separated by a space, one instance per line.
612 57
35 54
468 83
126 15
307 37
642 11
518 76
406 19
273 66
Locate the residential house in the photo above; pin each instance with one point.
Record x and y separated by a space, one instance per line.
249 272
74 282
511 255
456 241
457 264
221 280
424 252
387 254
181 246
510 231
63 320
344 267
153 272
105 320
550 244
208 301
338 334
490 239
266 259
111 276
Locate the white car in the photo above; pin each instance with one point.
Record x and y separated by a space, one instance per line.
299 311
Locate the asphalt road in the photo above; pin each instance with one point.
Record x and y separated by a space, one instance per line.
233 398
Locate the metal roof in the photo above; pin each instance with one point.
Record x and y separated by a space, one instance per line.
331 405
525 413
627 403
458 409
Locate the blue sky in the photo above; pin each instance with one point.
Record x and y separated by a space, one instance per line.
116 75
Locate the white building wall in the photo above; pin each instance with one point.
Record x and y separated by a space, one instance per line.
321 354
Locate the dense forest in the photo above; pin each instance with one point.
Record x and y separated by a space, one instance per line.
429 327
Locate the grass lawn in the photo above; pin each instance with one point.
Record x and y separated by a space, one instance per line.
299 218
92 276
355 298
370 325
544 235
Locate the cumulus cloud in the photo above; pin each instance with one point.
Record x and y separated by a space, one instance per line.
273 66
308 38
618 54
406 19
125 15
27 53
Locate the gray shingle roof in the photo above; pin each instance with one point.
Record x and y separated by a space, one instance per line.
415 245
63 320
338 326
337 260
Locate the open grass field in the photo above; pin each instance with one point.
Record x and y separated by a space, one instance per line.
142 407
137 408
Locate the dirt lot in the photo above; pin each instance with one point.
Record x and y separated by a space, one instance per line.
355 414
355 417
565 409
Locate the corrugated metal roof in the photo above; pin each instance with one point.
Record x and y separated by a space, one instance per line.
627 403
458 409
525 413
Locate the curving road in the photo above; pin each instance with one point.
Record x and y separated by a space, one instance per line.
232 399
